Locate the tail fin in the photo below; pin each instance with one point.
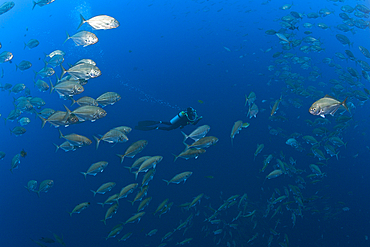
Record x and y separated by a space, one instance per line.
43 121
34 4
185 136
63 71
93 192
60 134
344 104
84 173
122 156
97 142
68 37
51 87
82 21
175 157
56 147
166 181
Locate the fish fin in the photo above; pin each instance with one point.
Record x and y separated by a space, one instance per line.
129 168
63 71
43 121
51 86
97 142
83 173
16 67
68 113
36 73
344 104
175 157
56 147
68 37
101 203
60 134
122 156
82 21
166 181
185 136
93 192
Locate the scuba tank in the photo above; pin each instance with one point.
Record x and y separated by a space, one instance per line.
177 117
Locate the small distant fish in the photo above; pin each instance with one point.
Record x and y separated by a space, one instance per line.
32 43
5 7
42 3
79 208
100 22
23 65
31 185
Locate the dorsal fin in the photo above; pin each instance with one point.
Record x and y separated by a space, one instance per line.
328 96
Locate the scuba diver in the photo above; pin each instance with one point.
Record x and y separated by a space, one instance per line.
182 119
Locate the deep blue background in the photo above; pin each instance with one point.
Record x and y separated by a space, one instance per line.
164 57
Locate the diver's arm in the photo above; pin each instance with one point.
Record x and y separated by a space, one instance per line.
196 121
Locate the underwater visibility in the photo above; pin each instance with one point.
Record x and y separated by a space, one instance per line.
197 123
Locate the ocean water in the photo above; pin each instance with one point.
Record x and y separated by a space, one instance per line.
164 57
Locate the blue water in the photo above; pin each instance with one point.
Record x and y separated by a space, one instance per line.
164 57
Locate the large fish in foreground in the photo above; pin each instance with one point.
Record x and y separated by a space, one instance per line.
327 105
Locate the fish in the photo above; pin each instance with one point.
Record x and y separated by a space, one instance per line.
190 153
95 168
282 38
32 43
104 188
112 136
15 162
126 190
253 110
125 237
66 146
86 100
18 131
198 133
112 210
67 88
258 150
133 149
161 206
327 105
138 162
45 186
23 65
274 174
110 200
77 209
41 3
87 112
100 22
148 164
5 7
143 204
134 218
181 177
276 106
82 71
250 98
55 53
238 125
84 38
115 231
202 143
76 140
6 56
108 98
31 185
